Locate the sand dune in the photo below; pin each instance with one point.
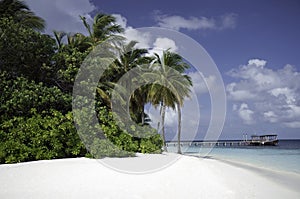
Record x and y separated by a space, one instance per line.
187 177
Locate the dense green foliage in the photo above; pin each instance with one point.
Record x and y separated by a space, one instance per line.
21 14
37 74
35 122
39 137
126 140
19 96
25 52
66 63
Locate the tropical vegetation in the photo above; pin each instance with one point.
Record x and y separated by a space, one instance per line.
37 74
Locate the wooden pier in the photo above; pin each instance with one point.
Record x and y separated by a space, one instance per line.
209 143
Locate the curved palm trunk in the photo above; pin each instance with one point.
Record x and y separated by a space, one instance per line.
179 129
143 116
143 110
163 113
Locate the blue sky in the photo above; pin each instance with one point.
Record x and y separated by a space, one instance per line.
266 29
255 45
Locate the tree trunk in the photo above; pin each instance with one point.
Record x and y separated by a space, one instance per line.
143 117
143 112
163 113
179 129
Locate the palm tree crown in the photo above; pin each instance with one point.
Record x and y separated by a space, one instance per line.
20 13
172 88
103 27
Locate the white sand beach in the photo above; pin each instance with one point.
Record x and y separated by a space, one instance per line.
189 177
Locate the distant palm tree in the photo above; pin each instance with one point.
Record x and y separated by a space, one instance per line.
185 85
161 95
103 27
130 58
80 41
172 87
20 13
59 35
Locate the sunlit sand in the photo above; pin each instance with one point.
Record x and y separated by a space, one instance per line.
188 177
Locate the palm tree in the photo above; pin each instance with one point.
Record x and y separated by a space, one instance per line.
131 58
59 35
161 95
172 88
20 13
103 27
79 41
180 99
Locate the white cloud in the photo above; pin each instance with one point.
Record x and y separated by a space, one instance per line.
274 95
178 22
145 39
196 23
246 114
257 62
238 94
286 93
122 21
293 111
132 34
63 15
160 44
228 21
165 43
202 84
255 73
234 107
270 116
295 124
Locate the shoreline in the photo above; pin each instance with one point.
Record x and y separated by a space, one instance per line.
191 177
289 179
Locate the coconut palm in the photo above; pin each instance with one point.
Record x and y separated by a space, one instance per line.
79 41
20 13
103 27
131 58
179 103
161 95
172 87
59 35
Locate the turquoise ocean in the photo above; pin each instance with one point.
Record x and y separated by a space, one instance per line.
283 157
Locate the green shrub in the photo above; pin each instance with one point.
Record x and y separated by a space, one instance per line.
25 52
126 140
151 145
19 96
39 137
104 148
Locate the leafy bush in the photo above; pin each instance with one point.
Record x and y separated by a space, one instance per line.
39 137
66 63
25 52
104 148
19 96
151 144
125 140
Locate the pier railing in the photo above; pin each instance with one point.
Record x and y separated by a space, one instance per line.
208 143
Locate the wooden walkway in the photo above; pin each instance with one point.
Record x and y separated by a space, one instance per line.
209 143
